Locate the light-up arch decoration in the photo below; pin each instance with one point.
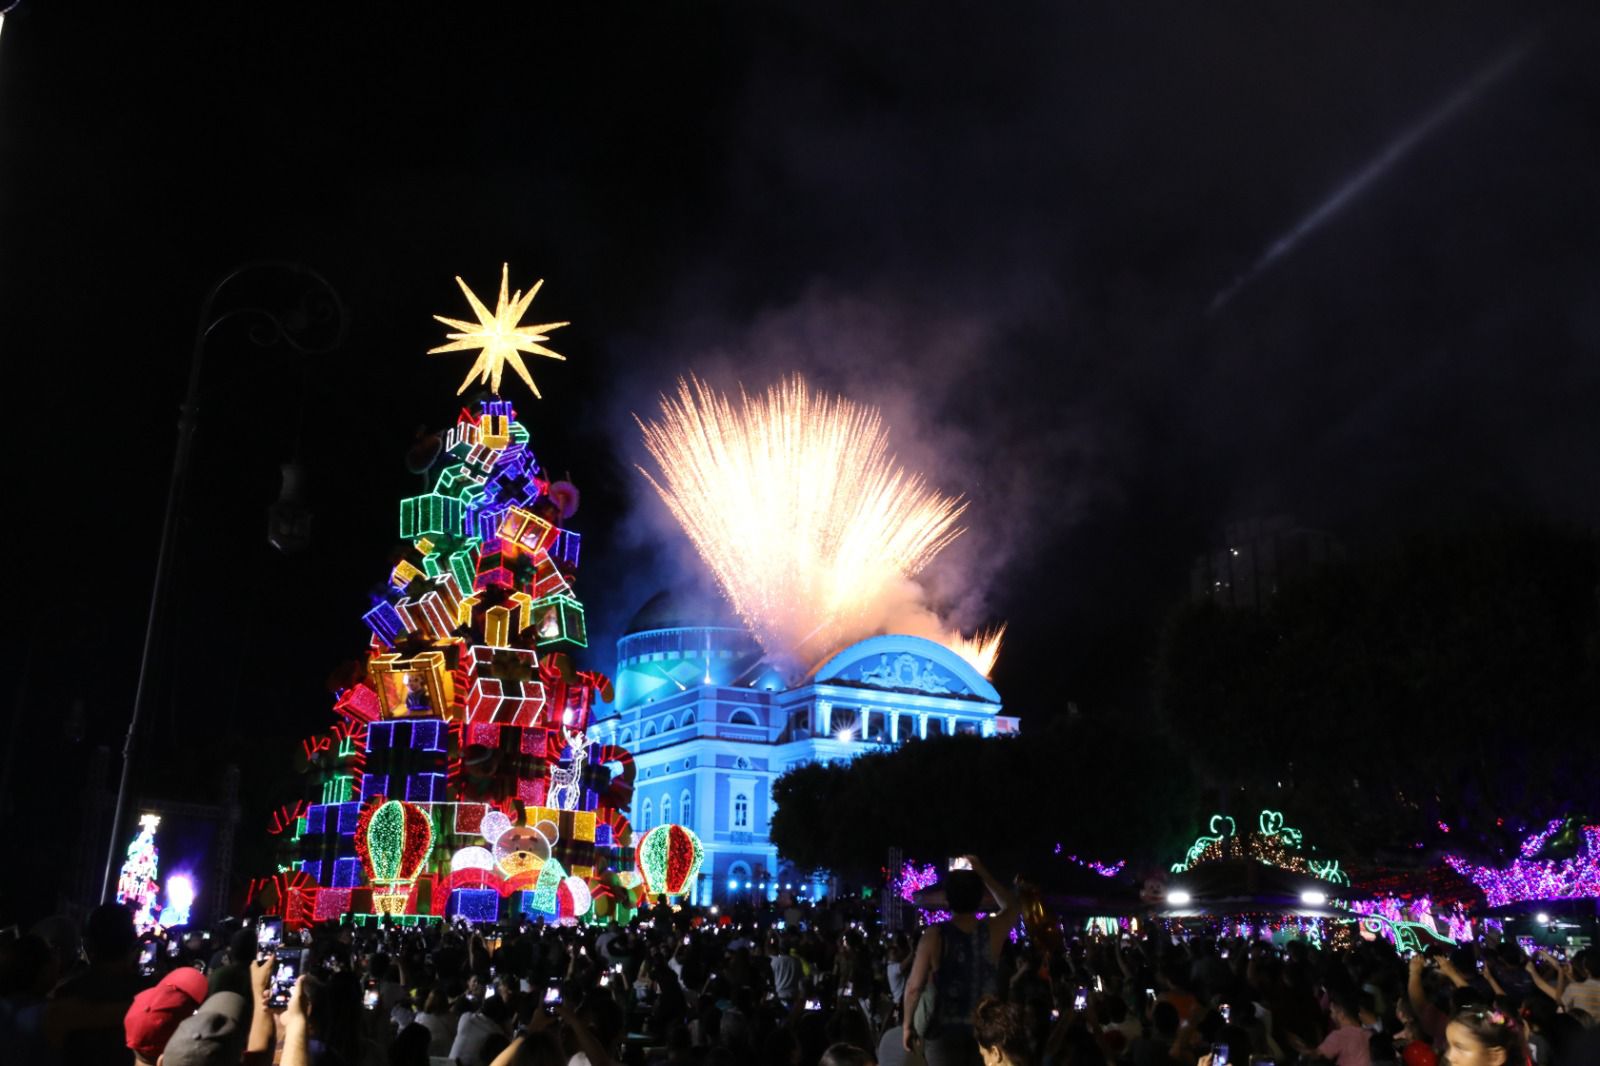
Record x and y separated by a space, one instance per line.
1272 843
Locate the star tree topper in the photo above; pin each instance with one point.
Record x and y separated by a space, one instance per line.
498 336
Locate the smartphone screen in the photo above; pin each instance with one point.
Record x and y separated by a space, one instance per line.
813 1004
1219 1055
147 959
269 934
1081 1000
1227 1013
960 862
552 996
605 979
369 999
1150 994
284 975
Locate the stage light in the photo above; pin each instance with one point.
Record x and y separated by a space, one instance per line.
1178 898
1313 899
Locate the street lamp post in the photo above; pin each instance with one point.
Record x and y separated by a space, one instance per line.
318 313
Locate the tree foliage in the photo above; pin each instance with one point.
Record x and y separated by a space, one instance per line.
1096 785
1449 679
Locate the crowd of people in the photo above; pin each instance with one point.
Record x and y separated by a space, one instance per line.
791 985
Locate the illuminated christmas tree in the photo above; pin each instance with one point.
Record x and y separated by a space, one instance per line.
137 885
459 778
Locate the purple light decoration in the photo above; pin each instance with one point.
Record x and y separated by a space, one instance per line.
913 879
1103 869
1534 844
1528 878
1452 923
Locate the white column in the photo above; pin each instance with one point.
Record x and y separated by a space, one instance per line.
922 724
866 723
894 727
825 716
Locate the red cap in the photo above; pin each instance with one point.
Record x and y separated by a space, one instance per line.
1417 1053
157 1011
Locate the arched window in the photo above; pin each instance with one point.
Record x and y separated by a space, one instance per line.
685 808
666 809
688 718
742 717
738 874
627 737
645 816
741 811
649 731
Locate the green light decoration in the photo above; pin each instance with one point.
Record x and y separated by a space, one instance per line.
394 839
1273 843
1407 936
668 858
544 889
1271 823
1203 843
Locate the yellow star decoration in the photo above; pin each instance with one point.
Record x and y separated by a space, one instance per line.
498 337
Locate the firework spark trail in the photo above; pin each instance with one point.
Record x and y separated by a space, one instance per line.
982 649
795 504
1380 165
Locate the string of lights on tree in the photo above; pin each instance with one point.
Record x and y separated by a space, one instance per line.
1536 873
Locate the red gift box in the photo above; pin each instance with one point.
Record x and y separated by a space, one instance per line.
436 608
504 685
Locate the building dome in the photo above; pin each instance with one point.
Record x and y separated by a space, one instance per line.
678 609
681 639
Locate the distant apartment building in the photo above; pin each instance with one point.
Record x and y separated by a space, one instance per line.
1258 555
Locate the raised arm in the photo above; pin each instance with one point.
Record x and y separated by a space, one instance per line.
999 924
1455 976
296 1039
927 951
1539 982
1414 989
263 1030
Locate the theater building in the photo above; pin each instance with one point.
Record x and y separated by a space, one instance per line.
711 726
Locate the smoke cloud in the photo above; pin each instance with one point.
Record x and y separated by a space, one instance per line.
924 369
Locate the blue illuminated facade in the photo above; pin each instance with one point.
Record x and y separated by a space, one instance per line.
711 726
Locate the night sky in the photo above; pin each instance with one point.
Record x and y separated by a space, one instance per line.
1002 224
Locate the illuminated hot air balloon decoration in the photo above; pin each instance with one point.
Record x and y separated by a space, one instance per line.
668 857
393 839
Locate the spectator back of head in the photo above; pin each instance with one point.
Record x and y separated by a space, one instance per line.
109 935
963 890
